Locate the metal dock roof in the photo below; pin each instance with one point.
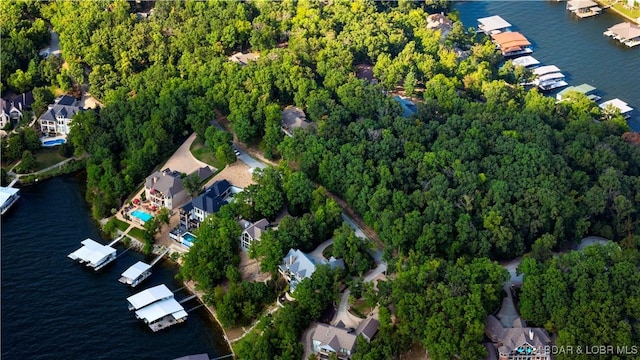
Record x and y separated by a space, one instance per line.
136 270
151 295
525 61
93 253
547 69
492 23
160 309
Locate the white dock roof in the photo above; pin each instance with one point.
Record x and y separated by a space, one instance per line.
136 270
525 61
547 69
6 193
161 309
617 103
492 23
149 296
581 4
92 252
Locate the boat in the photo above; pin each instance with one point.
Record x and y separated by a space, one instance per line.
136 274
93 254
8 197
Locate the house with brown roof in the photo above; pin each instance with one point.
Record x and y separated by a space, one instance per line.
252 233
439 22
294 118
243 59
516 342
165 189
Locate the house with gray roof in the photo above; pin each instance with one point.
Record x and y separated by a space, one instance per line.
329 339
252 233
243 59
11 109
517 341
294 118
295 267
368 328
165 189
194 212
56 120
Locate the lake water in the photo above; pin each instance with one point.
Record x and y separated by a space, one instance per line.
54 308
576 46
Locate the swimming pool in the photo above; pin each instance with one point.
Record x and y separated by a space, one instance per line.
188 239
142 215
53 142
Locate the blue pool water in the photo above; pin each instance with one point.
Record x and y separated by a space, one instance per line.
54 142
189 239
142 215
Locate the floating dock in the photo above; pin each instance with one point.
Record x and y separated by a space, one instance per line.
585 89
493 25
623 107
149 296
93 254
139 271
583 8
162 314
626 33
512 44
528 62
8 197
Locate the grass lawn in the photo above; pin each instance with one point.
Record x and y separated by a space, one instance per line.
360 308
120 225
137 233
632 13
204 154
46 158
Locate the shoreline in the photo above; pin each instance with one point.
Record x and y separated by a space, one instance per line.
609 7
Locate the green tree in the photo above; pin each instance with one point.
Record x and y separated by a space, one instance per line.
298 190
28 162
192 184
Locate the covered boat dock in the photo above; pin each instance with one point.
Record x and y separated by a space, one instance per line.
626 33
93 254
8 196
149 296
624 108
135 274
162 314
493 25
583 8
512 43
585 89
526 61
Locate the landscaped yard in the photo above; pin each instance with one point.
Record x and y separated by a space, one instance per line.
137 233
46 158
120 225
328 252
623 8
204 154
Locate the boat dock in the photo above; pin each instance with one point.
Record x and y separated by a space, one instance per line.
139 271
583 8
528 62
8 197
585 89
512 43
623 107
93 254
626 33
149 296
493 25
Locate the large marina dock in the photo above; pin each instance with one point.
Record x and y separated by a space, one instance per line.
157 307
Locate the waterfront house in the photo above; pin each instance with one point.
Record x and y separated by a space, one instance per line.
439 22
493 25
243 59
512 43
626 33
56 120
329 339
583 8
517 341
294 118
165 189
252 232
194 212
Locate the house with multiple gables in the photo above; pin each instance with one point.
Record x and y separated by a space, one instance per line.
252 232
337 341
56 120
294 118
297 266
194 212
12 109
165 189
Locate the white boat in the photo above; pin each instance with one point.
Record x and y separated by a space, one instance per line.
8 197
136 274
93 254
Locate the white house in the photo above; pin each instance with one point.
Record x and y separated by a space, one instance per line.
329 339
58 117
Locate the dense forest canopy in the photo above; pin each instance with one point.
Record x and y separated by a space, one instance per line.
485 169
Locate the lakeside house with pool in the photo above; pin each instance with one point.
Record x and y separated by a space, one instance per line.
165 189
56 121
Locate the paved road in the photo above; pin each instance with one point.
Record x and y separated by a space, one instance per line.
592 240
316 254
182 160
307 336
354 226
